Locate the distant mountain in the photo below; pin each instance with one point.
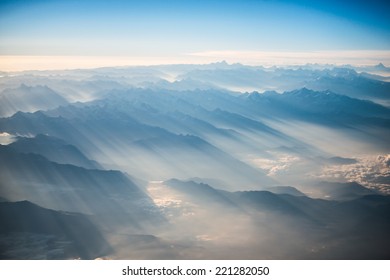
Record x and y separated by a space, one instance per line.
265 201
343 191
343 80
88 84
180 85
354 85
200 193
39 123
237 79
251 201
285 190
213 127
147 146
29 99
75 86
53 149
367 68
297 204
380 66
319 107
32 232
301 223
206 161
301 103
219 117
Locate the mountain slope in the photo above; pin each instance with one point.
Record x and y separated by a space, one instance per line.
53 149
57 234
29 99
72 188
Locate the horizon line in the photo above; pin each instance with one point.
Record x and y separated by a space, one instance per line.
362 58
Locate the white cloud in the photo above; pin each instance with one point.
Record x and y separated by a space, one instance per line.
269 58
372 172
265 58
21 63
6 138
277 166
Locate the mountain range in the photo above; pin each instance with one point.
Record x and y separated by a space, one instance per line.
207 161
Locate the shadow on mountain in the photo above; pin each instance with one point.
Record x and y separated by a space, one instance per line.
281 226
343 191
29 99
54 149
109 194
32 232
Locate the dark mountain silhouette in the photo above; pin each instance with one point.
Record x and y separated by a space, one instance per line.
285 190
353 229
343 191
63 235
71 188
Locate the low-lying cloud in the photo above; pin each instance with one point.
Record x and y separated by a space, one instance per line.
358 57
371 171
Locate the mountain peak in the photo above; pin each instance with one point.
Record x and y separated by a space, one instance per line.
303 90
223 62
380 66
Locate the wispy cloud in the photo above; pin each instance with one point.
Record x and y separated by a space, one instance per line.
265 58
355 57
32 62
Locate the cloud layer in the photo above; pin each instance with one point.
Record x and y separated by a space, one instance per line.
355 57
372 172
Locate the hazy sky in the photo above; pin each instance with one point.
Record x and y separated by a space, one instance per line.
192 30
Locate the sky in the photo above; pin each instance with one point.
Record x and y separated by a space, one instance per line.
48 33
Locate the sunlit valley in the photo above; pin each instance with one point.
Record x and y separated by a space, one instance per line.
211 161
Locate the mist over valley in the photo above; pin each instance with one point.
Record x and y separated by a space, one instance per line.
211 161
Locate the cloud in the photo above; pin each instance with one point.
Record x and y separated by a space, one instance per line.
277 166
269 58
28 62
6 138
372 172
264 58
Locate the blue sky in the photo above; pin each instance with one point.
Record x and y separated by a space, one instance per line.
150 28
